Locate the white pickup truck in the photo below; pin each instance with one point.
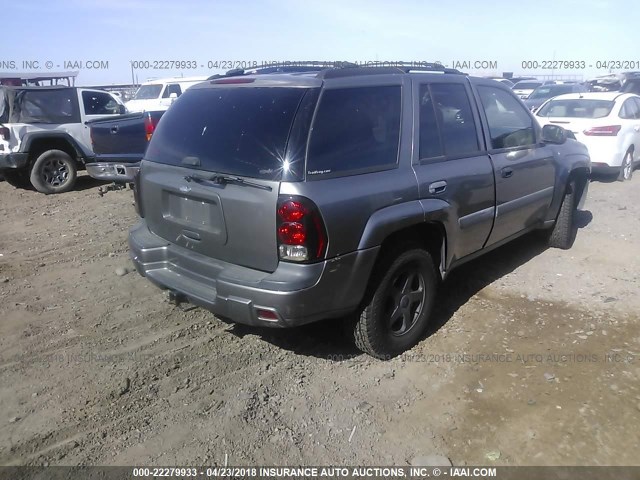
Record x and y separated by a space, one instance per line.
44 139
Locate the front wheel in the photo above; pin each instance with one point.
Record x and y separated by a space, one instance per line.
398 312
54 172
564 231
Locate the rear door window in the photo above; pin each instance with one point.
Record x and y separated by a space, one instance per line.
448 106
356 130
232 130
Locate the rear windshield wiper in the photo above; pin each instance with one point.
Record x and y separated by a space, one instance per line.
224 179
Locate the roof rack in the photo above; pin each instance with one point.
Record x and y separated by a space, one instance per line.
340 69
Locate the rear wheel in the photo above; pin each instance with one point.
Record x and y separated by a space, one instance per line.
399 309
54 171
626 170
16 178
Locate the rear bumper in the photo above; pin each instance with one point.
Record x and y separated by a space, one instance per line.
298 294
113 172
13 160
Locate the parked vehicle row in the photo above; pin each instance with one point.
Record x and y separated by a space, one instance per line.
263 193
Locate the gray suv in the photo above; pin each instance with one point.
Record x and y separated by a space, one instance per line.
282 199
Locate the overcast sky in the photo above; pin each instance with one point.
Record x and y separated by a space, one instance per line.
506 32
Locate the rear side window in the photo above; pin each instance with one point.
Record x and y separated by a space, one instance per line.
356 130
509 122
45 106
237 131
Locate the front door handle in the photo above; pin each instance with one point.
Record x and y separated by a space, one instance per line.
506 172
114 129
437 187
637 128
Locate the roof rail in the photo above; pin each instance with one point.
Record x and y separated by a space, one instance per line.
339 68
370 70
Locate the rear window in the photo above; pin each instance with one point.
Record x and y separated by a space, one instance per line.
148 92
237 131
576 108
526 85
356 130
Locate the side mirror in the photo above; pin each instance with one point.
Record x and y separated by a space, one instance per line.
173 96
554 134
122 109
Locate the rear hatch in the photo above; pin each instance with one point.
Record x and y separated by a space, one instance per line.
211 175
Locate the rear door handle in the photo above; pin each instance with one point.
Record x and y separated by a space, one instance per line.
637 128
437 187
114 129
506 172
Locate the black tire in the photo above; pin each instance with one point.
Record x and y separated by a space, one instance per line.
54 171
626 169
16 178
564 231
399 304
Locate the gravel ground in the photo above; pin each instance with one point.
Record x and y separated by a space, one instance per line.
533 357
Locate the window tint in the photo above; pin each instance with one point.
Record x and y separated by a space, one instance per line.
629 109
99 103
172 88
455 118
239 131
355 129
430 144
509 122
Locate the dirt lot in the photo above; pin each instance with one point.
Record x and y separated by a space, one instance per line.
533 358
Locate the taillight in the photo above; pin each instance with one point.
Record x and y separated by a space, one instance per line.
302 236
5 134
149 125
608 131
137 204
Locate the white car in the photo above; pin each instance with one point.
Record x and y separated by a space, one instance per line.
608 123
161 93
524 88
